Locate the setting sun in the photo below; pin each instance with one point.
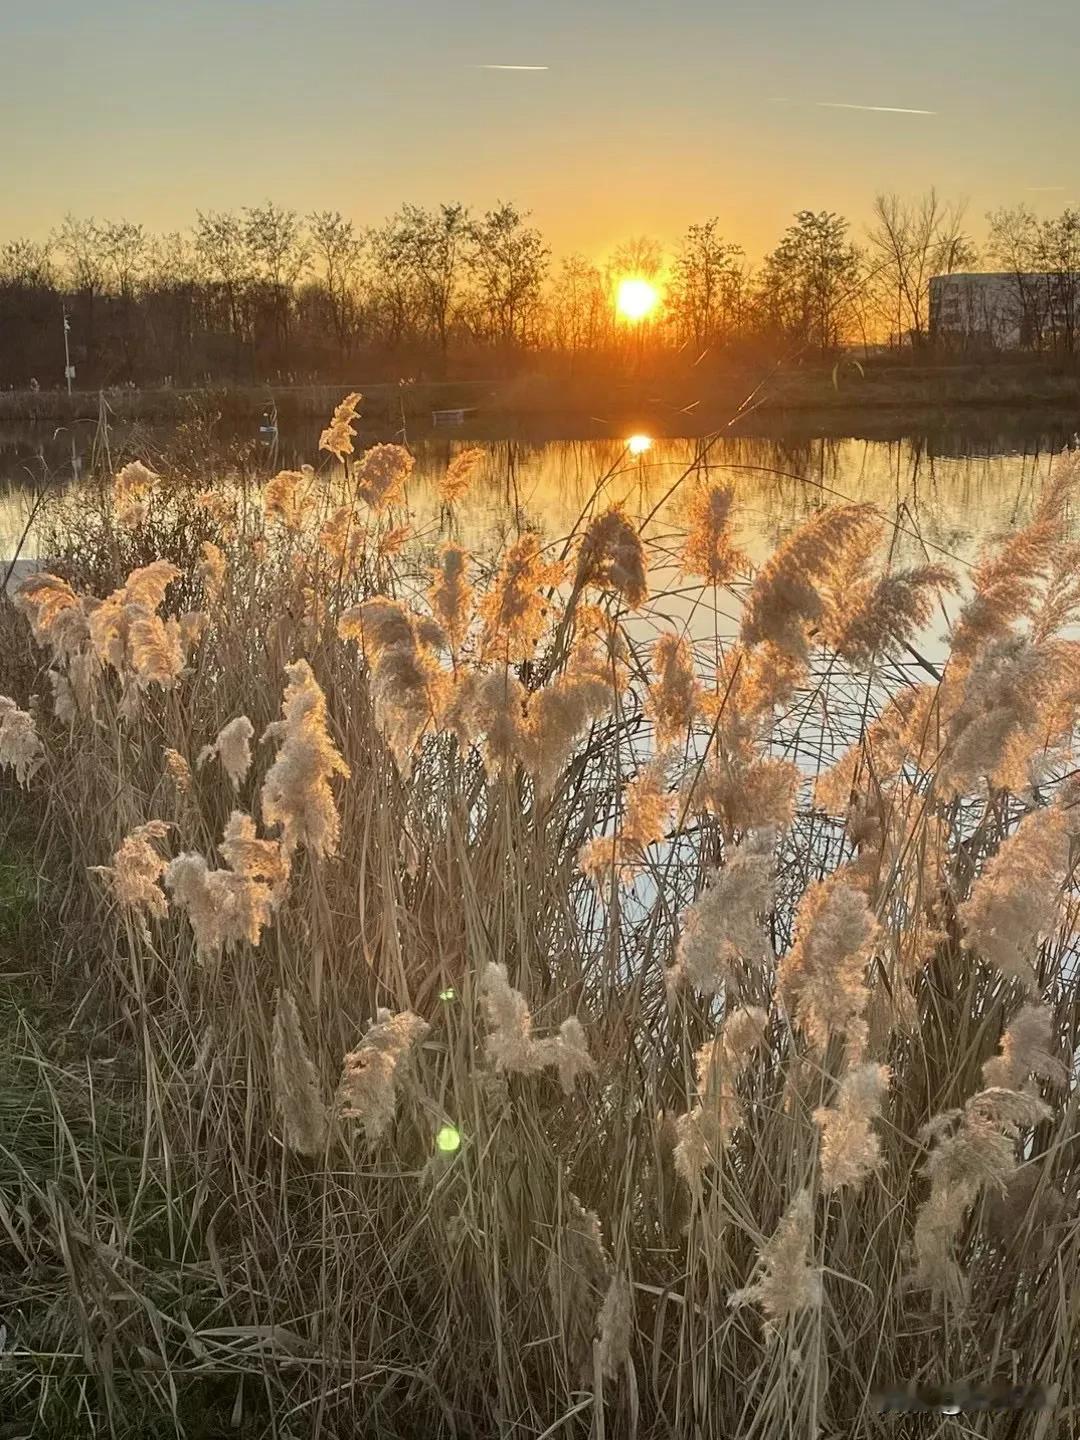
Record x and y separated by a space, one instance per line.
636 298
638 444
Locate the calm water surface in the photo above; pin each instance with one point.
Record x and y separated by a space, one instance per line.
947 498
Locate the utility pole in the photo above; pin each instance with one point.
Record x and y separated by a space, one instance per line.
69 369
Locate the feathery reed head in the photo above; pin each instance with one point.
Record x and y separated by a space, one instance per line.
296 793
338 436
457 479
297 1089
708 550
372 1073
21 749
612 557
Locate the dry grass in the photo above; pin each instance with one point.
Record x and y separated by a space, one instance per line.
474 1067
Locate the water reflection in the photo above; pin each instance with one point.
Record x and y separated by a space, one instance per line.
945 503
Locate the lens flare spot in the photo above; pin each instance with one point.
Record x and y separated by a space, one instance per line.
448 994
448 1139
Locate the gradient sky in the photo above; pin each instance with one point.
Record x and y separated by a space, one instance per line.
651 114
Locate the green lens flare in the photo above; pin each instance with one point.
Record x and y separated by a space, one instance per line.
449 994
448 1140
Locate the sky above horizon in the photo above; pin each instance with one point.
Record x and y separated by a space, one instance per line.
646 118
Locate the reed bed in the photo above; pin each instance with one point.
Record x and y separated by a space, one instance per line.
495 1010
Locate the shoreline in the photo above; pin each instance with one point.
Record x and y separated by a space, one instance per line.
881 398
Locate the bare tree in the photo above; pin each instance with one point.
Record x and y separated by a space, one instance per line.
1058 256
124 247
707 280
811 281
29 313
222 247
339 252
175 301
508 261
1013 241
79 241
431 247
27 264
640 256
1043 257
578 308
910 242
279 253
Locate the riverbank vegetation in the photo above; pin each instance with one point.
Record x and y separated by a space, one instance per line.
265 296
591 987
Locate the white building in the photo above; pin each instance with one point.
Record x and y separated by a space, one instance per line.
1006 311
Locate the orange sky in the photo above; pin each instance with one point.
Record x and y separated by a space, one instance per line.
646 118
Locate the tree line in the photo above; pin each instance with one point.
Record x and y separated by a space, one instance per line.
267 295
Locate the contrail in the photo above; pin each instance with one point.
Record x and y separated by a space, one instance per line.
882 109
513 67
1044 188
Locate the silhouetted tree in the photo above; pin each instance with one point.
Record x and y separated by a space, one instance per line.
579 307
911 241
339 255
279 253
221 245
508 262
705 290
811 281
430 247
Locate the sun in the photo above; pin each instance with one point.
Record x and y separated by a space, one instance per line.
638 444
636 298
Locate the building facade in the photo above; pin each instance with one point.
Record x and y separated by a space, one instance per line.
1006 310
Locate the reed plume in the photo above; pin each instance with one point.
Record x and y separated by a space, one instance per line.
725 926
381 473
704 1132
178 770
788 1283
286 498
297 1090
671 701
850 1151
513 610
409 687
338 436
211 570
296 793
511 1045
794 589
372 1073
134 874
344 539
612 558
132 486
1025 1050
709 551
1014 900
233 748
647 809
579 1276
451 595
972 1148
875 618
1010 577
821 979
21 749
456 480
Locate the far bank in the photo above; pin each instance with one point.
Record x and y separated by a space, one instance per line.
883 394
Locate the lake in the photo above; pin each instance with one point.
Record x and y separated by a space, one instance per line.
945 497
948 493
